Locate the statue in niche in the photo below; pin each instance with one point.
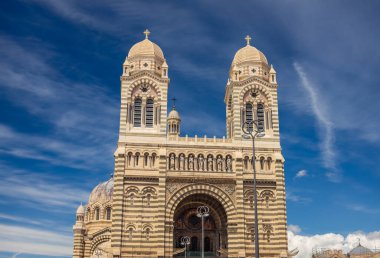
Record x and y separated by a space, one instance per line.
182 162
209 163
191 162
201 163
172 162
229 164
219 163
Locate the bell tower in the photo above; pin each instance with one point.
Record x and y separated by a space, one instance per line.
251 93
144 87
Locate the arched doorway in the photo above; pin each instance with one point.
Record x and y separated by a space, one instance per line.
187 223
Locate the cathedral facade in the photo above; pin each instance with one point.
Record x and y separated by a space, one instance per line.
161 178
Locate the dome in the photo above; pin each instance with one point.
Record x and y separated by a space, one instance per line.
360 250
146 48
80 209
102 193
174 115
249 54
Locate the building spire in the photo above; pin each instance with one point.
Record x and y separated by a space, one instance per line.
147 33
248 39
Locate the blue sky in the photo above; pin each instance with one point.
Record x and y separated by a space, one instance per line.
60 63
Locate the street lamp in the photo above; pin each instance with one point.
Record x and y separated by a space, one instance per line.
203 211
251 130
98 252
185 240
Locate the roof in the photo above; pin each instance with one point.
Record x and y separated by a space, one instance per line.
102 193
249 54
360 250
146 48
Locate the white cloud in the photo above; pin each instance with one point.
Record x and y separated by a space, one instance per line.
301 173
294 228
325 124
34 241
306 244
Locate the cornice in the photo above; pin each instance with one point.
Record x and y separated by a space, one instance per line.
254 79
144 73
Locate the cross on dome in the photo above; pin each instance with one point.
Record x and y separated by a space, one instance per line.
174 99
248 39
147 33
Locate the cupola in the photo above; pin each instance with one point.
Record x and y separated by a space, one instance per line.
174 122
249 61
145 55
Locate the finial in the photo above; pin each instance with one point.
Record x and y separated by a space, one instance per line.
146 32
174 99
248 39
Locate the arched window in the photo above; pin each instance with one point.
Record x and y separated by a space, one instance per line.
130 233
88 213
260 117
153 159
146 157
269 160
108 213
97 214
246 162
129 160
248 112
149 113
137 113
262 160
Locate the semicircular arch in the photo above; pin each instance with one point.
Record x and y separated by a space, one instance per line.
206 189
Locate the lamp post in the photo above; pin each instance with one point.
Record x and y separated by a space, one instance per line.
203 211
98 252
185 240
251 130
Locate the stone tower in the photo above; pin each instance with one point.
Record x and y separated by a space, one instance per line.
161 177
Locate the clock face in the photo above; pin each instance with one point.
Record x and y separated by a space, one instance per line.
144 88
254 94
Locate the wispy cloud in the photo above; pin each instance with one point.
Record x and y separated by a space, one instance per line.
34 241
361 208
38 191
291 196
325 124
82 116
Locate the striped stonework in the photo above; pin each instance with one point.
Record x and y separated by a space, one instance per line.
161 178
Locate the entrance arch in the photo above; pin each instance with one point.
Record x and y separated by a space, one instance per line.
184 202
187 223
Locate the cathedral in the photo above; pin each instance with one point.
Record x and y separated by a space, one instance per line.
161 177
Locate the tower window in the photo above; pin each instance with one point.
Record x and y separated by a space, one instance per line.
108 213
248 114
137 113
260 117
149 113
97 213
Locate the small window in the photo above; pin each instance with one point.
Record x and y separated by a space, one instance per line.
108 213
137 113
97 214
